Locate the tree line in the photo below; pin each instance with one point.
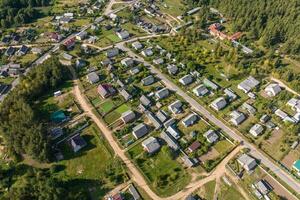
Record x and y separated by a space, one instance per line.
20 122
18 12
271 22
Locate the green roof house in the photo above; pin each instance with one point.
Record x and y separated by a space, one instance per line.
58 117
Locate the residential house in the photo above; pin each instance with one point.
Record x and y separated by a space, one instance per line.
147 52
123 35
190 120
237 117
281 114
139 130
191 197
80 63
248 84
145 101
162 93
134 193
265 118
134 70
211 136
186 80
173 131
162 116
200 90
112 52
128 116
36 51
172 69
256 130
189 162
210 84
158 61
175 107
22 51
70 43
169 122
106 90
194 146
77 143
10 51
273 89
137 45
93 77
230 94
247 162
171 142
125 94
106 62
148 80
153 119
249 108
81 35
56 133
127 62
218 104
263 187
151 145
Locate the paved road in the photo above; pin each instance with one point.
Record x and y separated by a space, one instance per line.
288 179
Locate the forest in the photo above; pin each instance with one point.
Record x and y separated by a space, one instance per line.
18 12
273 23
20 123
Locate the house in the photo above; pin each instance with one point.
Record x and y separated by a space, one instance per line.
153 119
211 136
162 116
106 90
134 70
281 114
117 196
200 90
58 117
162 93
172 69
106 62
134 193
210 84
36 51
296 166
81 35
186 80
194 146
191 197
127 62
112 52
93 77
147 52
23 50
70 43
249 108
169 122
139 130
148 80
173 132
145 101
218 104
263 187
67 56
296 117
77 143
230 94
125 94
57 93
113 16
80 63
248 84
10 51
128 116
137 45
265 118
256 130
293 102
189 162
175 107
151 145
237 117
123 35
170 141
158 61
273 89
190 120
247 162
56 133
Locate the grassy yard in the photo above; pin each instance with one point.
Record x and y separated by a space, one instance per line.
106 106
229 192
207 191
116 114
173 7
92 168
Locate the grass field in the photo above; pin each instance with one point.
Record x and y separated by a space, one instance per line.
173 7
165 175
229 192
106 106
116 114
207 191
222 146
92 168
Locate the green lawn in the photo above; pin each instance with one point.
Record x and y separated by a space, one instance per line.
229 193
222 146
92 167
165 175
116 114
209 189
173 7
106 106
